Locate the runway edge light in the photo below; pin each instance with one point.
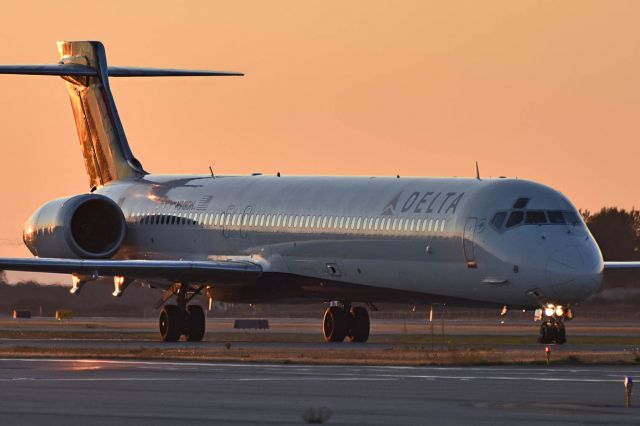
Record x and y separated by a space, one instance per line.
628 388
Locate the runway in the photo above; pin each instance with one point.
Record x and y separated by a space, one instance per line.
63 392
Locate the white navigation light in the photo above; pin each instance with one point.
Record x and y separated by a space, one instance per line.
559 311
548 311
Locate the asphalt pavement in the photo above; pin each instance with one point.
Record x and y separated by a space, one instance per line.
90 392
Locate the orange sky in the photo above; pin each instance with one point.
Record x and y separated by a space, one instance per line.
543 90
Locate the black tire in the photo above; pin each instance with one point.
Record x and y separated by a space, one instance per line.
334 325
561 336
360 325
171 323
547 333
197 323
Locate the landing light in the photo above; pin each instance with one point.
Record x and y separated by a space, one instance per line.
559 311
548 311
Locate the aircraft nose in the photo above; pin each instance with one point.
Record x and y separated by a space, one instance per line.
574 273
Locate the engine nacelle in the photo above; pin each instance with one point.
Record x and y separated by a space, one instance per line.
88 226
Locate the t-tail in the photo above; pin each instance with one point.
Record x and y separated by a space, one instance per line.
83 65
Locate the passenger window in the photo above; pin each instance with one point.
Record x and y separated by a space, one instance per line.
498 219
515 218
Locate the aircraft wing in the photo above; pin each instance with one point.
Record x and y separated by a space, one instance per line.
177 270
621 265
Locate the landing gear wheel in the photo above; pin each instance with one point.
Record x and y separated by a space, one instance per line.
552 331
195 332
561 336
171 323
359 324
334 325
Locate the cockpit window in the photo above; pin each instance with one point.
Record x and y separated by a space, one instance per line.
521 203
498 219
571 218
535 217
515 218
555 217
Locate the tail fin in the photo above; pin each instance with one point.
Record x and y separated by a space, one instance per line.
106 151
83 64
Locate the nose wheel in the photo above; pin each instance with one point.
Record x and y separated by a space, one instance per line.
552 331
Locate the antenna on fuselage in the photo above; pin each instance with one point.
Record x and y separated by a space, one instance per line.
477 171
211 170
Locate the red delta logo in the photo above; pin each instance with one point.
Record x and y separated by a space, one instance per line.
390 208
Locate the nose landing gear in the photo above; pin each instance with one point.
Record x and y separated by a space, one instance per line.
552 329
346 321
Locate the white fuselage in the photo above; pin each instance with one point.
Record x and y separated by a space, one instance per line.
424 238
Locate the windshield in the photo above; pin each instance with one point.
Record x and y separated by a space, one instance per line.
534 217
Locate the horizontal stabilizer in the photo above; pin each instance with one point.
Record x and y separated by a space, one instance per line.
85 71
166 72
622 265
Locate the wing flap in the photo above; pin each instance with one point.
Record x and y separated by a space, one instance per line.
176 270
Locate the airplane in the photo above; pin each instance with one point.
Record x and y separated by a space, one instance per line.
350 242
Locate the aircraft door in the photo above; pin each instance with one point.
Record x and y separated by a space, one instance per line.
228 215
468 245
245 221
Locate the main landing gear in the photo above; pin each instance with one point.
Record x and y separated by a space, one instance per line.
346 321
552 328
180 319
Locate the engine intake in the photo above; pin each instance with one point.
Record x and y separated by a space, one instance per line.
89 226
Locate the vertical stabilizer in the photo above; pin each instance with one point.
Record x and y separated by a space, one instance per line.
83 65
106 152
